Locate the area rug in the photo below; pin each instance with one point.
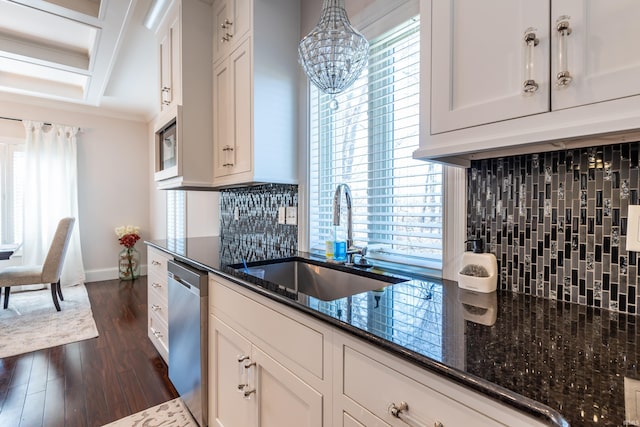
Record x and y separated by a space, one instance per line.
172 413
31 322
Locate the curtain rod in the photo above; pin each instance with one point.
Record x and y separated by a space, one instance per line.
13 119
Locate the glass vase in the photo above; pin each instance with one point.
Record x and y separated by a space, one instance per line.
129 264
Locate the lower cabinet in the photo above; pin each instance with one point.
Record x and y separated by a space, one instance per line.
250 388
270 365
378 389
252 384
157 300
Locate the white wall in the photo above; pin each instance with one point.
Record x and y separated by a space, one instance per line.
113 171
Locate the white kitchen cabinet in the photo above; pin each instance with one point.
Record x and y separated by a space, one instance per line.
157 300
477 97
369 381
169 43
265 369
185 38
255 96
232 106
231 22
252 389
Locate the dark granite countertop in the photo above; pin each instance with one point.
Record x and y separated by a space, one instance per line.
554 360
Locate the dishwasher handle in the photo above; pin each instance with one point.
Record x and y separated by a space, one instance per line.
178 280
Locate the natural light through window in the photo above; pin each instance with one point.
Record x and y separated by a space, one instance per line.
368 143
12 164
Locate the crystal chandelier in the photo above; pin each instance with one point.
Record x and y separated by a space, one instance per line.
334 53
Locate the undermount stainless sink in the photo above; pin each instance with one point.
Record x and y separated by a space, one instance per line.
321 282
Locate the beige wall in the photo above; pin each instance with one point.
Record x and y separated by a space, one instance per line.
113 186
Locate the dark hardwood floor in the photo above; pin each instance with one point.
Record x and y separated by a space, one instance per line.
91 382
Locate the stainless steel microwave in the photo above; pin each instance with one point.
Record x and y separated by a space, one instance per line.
167 145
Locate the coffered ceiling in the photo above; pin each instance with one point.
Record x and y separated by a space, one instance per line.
71 50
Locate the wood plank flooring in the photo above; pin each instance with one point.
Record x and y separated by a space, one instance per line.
91 382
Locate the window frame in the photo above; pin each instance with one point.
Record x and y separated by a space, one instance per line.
372 21
9 146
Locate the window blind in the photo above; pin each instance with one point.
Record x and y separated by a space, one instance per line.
176 214
367 143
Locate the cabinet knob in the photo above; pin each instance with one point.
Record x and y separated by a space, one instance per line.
155 307
156 285
154 262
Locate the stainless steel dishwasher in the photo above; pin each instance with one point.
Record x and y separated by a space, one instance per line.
188 295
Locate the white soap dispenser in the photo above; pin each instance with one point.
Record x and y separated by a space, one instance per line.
479 270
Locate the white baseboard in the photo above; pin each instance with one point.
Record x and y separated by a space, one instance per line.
99 275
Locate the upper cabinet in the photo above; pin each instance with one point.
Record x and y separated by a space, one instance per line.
183 131
506 74
231 22
255 91
170 63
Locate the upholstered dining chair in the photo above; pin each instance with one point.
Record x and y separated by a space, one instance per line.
49 272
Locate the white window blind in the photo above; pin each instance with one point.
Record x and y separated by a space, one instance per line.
176 214
12 166
367 143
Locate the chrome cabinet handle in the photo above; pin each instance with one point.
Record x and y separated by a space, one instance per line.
227 150
242 379
154 262
156 334
247 392
400 411
166 95
226 24
155 307
156 285
563 77
529 86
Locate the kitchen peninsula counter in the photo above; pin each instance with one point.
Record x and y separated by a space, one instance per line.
556 361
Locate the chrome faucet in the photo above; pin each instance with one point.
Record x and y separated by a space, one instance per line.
351 250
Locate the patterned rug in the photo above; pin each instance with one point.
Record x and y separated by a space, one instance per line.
172 413
32 323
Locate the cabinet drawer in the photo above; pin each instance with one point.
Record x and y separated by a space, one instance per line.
156 286
157 304
157 262
158 333
375 387
298 343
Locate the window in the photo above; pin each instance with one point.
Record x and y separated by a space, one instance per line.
367 143
176 214
12 164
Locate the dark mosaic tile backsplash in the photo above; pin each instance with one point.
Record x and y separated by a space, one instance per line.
256 233
557 223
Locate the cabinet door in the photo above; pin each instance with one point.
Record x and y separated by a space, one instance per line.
478 61
231 21
232 113
222 118
282 398
227 405
165 71
602 51
170 58
241 103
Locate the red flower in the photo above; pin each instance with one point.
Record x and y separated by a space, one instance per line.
128 240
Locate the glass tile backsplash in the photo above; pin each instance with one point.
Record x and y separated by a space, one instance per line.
249 221
557 223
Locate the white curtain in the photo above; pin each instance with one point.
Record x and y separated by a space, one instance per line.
51 193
